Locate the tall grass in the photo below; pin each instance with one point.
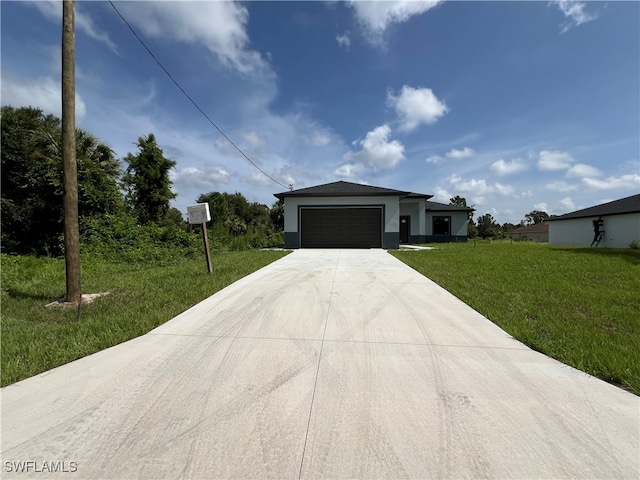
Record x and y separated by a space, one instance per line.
143 295
578 305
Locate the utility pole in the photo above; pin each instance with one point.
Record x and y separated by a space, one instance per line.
69 165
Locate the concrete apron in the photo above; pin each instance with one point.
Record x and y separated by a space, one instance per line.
326 363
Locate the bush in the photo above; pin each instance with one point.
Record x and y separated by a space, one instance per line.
635 244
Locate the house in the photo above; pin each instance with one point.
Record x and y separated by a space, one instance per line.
538 232
351 215
621 224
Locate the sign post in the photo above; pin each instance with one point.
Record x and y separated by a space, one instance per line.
199 213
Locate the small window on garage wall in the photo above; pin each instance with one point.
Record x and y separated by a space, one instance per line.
442 225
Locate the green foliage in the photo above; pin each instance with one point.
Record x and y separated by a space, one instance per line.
635 244
32 180
578 305
147 181
535 217
276 214
218 206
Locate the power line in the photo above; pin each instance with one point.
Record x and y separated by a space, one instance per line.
288 187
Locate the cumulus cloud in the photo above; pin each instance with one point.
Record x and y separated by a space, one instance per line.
580 170
435 159
441 195
376 16
479 187
566 205
44 93
502 167
575 13
377 151
541 207
252 139
220 26
416 106
349 170
211 177
455 154
52 9
318 138
554 160
624 182
343 40
560 186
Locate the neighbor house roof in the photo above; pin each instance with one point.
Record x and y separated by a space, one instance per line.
542 227
341 189
624 205
435 206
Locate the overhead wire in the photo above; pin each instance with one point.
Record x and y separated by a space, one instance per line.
135 34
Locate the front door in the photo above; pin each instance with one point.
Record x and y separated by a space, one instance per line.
405 223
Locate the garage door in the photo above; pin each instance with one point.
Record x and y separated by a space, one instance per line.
341 227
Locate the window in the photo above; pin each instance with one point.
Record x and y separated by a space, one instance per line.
442 226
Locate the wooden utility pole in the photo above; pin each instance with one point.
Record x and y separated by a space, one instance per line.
69 165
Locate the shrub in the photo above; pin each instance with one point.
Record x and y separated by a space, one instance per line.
635 244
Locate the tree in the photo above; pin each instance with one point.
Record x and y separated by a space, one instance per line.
487 227
147 181
535 217
218 206
32 181
276 215
458 201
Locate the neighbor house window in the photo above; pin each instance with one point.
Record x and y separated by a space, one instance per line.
442 225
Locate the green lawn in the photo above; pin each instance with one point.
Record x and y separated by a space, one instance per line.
578 305
36 339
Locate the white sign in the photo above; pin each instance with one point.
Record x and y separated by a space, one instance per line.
198 213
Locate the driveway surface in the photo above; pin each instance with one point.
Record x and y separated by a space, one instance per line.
326 363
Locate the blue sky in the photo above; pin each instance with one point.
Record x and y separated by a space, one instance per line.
515 106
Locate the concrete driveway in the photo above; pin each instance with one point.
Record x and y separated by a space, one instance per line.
326 363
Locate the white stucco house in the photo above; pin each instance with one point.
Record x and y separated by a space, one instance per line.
351 215
621 224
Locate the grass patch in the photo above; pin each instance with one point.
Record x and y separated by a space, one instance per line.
143 296
577 305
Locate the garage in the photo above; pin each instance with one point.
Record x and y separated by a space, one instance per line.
341 227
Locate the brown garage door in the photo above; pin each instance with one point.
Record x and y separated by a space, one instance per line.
345 227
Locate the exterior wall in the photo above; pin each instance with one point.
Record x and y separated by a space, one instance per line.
391 212
458 227
414 209
619 231
534 236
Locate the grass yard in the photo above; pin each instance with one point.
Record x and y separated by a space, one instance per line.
580 306
36 339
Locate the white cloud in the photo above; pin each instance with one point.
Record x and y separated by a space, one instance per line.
479 187
455 154
624 182
416 106
212 177
554 160
566 205
44 93
343 40
501 167
376 16
349 170
318 138
220 26
52 9
435 159
541 207
258 178
252 139
560 186
580 170
441 195
575 13
377 151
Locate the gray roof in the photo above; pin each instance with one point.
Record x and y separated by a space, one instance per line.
624 205
542 227
436 207
341 189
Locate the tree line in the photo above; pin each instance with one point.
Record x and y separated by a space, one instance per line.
486 226
121 203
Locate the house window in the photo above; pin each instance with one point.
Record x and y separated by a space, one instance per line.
442 226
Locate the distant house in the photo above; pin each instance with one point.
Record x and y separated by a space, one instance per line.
351 215
538 232
621 224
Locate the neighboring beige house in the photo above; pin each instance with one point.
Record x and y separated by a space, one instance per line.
351 215
621 224
537 233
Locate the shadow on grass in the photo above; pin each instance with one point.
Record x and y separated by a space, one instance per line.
628 254
14 293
